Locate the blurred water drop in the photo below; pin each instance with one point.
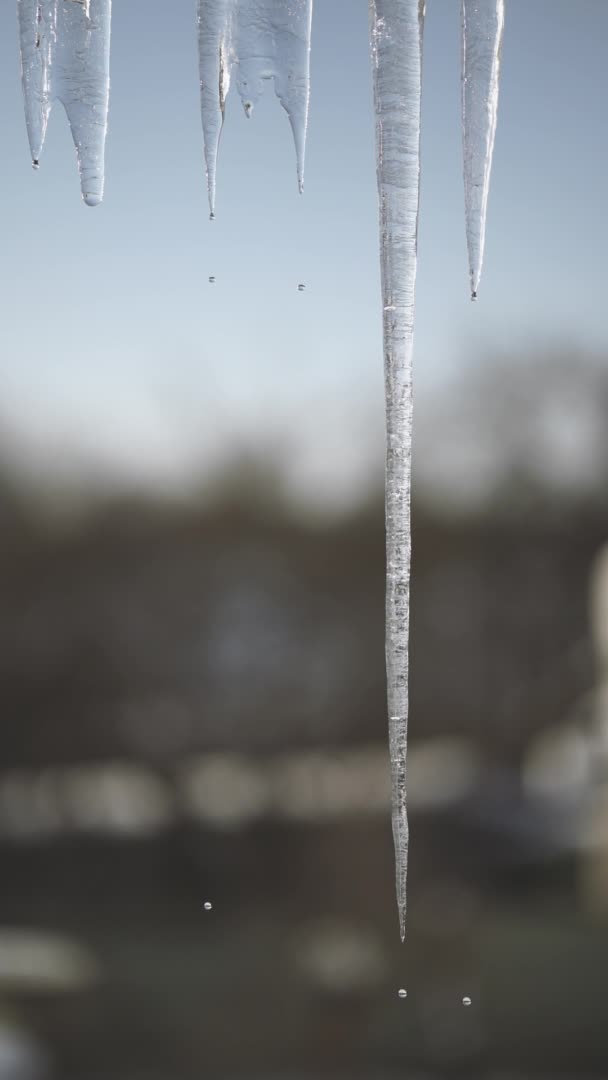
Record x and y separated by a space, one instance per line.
466 1001
208 906
402 993
211 279
301 287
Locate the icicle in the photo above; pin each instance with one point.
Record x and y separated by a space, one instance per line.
396 47
482 30
65 55
36 32
265 39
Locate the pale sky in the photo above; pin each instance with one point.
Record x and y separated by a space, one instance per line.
120 360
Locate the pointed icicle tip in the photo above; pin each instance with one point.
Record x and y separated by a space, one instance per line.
473 294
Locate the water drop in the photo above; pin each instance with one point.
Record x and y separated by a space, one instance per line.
301 287
466 1001
211 279
35 164
208 905
402 993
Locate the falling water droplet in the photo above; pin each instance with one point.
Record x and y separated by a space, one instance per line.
208 905
466 1001
212 279
301 287
402 993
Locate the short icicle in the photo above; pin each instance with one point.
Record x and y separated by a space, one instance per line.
482 33
65 56
260 40
214 49
37 28
396 28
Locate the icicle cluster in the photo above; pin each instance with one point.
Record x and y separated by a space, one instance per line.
65 53
396 28
65 56
260 40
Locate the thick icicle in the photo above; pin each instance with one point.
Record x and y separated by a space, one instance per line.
264 39
65 56
396 47
482 31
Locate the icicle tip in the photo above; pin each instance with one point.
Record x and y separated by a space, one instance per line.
35 163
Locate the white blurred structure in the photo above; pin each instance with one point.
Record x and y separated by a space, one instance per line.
594 866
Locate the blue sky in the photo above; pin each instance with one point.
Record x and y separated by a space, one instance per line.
118 358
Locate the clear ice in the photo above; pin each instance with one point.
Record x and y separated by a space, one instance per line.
256 40
396 48
482 32
65 56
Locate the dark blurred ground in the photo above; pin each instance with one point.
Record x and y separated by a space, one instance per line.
192 705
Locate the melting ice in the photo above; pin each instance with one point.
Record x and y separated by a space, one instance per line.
396 49
256 40
482 31
65 56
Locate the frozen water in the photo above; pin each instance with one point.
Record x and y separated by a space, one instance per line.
37 28
396 47
257 40
482 32
65 55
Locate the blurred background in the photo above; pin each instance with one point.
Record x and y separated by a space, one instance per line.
196 868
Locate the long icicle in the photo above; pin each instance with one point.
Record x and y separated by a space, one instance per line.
482 33
65 56
396 28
